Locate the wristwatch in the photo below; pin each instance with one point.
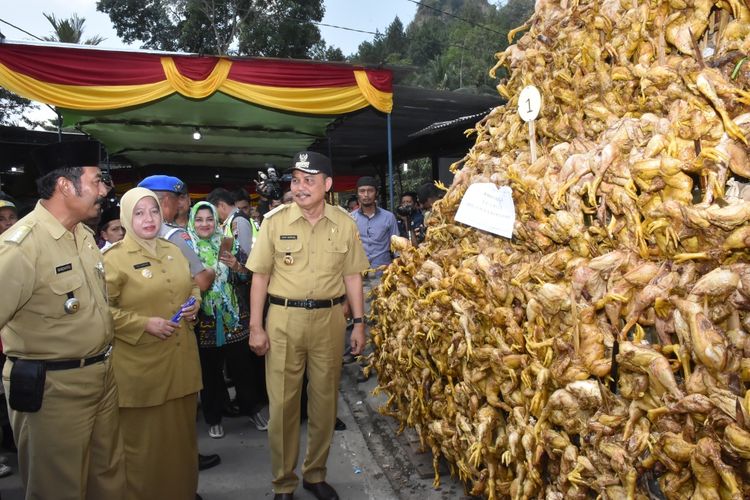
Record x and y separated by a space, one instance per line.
356 320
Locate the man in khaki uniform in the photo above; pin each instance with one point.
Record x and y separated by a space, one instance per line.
306 260
54 309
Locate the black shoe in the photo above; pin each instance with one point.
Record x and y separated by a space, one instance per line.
198 497
208 461
283 496
361 377
321 490
340 425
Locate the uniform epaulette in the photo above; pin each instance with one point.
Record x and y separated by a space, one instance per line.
273 212
91 231
17 235
343 209
172 230
110 247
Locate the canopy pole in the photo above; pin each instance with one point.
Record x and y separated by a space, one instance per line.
390 163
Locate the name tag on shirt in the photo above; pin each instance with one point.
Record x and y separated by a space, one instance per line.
141 265
288 237
63 268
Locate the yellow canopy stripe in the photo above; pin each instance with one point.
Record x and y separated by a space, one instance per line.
319 100
88 98
196 89
382 101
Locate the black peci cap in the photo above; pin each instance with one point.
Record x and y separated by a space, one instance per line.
67 154
108 215
312 163
367 181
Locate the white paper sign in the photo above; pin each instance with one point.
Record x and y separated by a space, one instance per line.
529 103
489 208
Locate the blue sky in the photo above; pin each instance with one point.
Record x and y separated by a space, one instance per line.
366 15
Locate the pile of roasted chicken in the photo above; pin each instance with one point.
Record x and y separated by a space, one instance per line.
603 350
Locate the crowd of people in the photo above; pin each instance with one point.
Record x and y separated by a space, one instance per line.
115 333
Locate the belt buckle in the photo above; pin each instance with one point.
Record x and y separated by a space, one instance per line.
309 304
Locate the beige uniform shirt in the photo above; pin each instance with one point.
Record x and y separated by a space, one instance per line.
305 261
150 371
41 262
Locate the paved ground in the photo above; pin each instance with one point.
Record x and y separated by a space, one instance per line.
367 460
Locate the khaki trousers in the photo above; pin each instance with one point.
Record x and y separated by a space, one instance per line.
71 449
302 339
161 450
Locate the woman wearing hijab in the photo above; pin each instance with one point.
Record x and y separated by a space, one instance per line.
155 356
222 327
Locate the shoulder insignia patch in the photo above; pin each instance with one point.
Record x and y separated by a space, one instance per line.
19 234
276 210
185 236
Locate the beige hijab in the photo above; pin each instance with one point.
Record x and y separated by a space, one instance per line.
127 205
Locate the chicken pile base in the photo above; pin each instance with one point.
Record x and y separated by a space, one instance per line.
603 350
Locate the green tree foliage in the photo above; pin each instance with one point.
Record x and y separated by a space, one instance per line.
391 47
418 172
70 30
270 28
448 53
282 28
14 110
427 40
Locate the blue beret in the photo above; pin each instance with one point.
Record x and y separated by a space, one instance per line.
163 183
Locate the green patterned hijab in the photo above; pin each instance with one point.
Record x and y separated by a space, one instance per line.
219 301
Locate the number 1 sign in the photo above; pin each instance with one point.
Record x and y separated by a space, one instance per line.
529 105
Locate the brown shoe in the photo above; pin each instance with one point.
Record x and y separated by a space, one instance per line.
321 490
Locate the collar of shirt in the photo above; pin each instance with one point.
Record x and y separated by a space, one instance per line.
295 212
377 209
131 246
230 217
53 226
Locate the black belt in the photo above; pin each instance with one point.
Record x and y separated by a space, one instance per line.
307 303
69 364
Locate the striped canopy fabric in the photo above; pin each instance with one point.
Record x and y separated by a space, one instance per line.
145 106
94 79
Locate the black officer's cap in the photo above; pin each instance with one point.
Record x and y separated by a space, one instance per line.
311 162
67 154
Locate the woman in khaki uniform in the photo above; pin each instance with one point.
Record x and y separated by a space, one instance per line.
155 360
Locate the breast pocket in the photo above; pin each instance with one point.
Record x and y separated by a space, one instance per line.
61 286
335 252
288 253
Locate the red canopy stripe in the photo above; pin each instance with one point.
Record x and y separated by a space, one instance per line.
381 79
195 68
86 67
70 66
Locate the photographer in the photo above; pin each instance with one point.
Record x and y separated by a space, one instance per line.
410 218
268 186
